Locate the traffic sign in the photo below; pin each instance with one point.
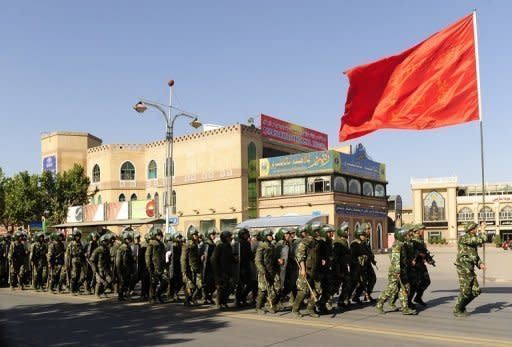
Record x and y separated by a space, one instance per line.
173 220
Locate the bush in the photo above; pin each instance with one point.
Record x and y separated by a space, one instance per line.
497 240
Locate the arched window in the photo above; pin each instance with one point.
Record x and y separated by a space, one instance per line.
379 235
152 170
465 215
96 175
99 199
367 189
354 187
340 184
506 213
380 191
319 184
127 171
486 212
133 197
122 198
148 196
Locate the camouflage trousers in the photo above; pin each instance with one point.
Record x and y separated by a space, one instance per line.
159 281
268 288
395 288
103 280
77 275
193 284
39 274
223 285
16 274
56 277
469 288
304 287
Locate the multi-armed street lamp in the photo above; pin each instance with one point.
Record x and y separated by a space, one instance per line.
166 111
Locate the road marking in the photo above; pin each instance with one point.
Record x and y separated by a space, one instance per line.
410 334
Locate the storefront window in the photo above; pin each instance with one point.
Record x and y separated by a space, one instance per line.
270 188
228 224
319 184
367 189
294 186
204 225
340 184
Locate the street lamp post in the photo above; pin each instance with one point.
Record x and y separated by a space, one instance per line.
141 107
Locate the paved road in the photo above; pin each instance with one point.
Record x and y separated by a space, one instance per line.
41 319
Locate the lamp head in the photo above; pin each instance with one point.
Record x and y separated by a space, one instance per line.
140 107
196 123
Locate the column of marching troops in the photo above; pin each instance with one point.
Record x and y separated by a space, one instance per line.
313 265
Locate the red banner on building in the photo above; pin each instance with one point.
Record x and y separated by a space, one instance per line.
294 134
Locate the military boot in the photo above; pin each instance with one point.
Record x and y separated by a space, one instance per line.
380 307
218 301
408 311
311 309
259 303
298 302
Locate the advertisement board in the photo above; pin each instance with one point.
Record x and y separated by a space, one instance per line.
302 163
50 164
117 210
75 214
143 209
283 131
94 213
358 164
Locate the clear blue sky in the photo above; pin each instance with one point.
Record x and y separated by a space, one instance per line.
80 65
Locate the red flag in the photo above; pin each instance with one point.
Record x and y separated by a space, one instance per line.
430 85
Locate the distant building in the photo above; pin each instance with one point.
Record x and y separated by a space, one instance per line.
444 206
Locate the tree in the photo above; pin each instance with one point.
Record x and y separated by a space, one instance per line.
22 199
2 194
70 189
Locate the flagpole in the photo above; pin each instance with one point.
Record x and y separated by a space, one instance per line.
481 130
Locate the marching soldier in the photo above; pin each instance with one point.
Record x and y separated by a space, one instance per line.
341 262
307 259
115 243
136 250
56 251
245 263
422 257
326 278
397 275
222 264
92 244
467 259
16 257
191 266
39 261
268 278
358 264
175 276
124 264
206 251
155 263
4 253
287 265
76 261
370 276
100 262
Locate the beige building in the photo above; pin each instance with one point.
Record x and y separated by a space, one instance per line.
444 206
220 178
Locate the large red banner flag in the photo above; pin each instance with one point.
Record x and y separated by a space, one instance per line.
430 85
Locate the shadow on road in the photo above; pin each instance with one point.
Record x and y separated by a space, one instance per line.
102 324
438 301
486 290
492 307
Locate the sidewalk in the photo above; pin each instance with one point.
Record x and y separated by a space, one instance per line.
498 261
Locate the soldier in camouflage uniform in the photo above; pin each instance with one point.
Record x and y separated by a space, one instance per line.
340 264
56 251
359 264
155 263
125 264
206 250
76 261
307 258
370 275
17 258
5 242
115 243
397 274
38 251
285 254
191 266
327 276
92 244
268 278
222 262
175 276
422 257
467 259
100 263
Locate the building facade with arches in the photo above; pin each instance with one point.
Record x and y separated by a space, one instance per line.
444 206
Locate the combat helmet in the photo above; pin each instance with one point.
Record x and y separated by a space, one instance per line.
469 226
359 232
77 232
92 235
326 229
126 235
279 236
225 235
265 233
192 231
342 231
400 234
177 237
243 231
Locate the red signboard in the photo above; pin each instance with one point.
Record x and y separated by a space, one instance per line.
291 133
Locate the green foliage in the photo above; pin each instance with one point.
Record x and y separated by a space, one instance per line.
29 197
2 194
497 240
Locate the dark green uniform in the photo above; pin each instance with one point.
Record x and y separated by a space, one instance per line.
358 268
340 264
467 259
370 276
421 278
39 261
307 286
155 263
17 257
100 262
77 263
268 280
222 265
206 250
56 252
191 269
125 268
